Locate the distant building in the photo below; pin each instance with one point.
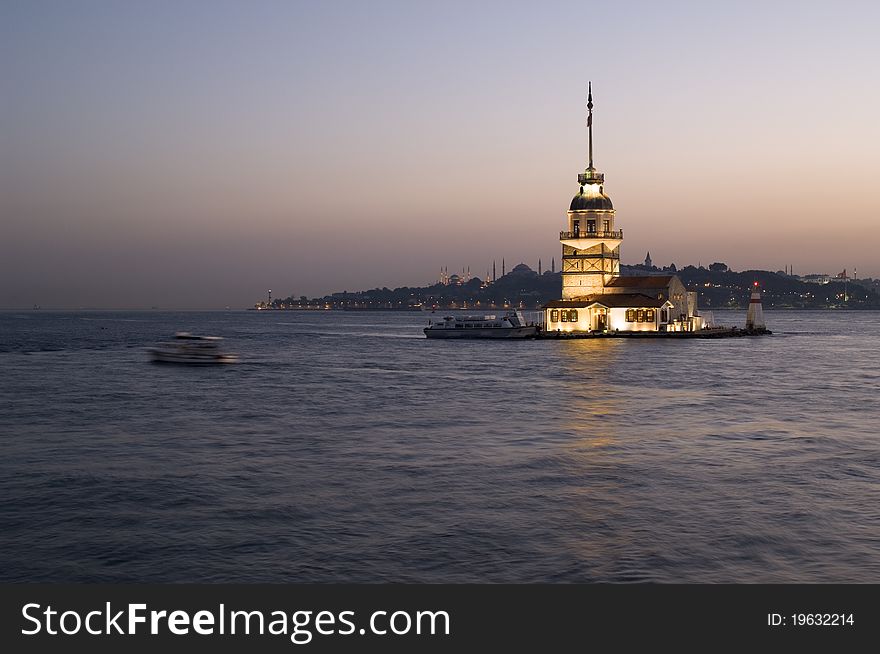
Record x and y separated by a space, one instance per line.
815 278
522 269
455 279
648 262
594 295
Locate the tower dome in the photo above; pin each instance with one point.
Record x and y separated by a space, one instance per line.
591 198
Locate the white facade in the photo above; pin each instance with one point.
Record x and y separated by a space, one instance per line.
755 314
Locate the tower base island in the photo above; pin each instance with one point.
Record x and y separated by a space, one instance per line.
596 299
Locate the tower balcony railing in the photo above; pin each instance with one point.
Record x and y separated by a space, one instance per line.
587 234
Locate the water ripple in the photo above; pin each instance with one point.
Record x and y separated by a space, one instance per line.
346 447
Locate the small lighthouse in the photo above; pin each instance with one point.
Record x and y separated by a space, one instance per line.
755 315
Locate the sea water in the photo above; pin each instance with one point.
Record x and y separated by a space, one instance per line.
346 447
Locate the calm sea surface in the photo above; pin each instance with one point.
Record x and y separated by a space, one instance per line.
347 447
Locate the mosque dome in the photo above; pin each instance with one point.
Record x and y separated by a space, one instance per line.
521 269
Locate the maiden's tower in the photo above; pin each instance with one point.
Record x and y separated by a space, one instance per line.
595 297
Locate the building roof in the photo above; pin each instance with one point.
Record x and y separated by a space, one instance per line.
641 281
591 200
610 301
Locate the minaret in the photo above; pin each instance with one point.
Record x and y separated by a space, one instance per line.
553 265
590 246
539 266
502 267
493 270
648 262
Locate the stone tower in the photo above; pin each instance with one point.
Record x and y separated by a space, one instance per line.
591 245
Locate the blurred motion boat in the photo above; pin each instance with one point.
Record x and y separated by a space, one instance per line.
512 325
191 349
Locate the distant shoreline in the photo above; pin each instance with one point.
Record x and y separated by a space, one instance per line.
383 310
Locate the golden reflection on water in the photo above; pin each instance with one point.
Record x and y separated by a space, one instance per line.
590 418
590 411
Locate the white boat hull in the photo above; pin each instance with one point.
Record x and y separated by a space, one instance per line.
529 331
192 350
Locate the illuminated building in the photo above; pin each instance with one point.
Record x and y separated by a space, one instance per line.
594 295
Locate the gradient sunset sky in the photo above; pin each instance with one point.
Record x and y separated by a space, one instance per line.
195 154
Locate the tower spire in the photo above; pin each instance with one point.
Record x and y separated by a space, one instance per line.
590 119
590 176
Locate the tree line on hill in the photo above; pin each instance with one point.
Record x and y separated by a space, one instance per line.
718 287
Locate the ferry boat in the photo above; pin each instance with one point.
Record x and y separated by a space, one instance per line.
189 348
512 325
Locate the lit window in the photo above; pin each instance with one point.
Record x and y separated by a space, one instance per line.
554 315
630 315
573 315
649 315
564 316
640 315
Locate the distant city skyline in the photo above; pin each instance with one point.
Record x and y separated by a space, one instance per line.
160 154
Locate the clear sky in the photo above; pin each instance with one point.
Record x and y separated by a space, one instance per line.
198 153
